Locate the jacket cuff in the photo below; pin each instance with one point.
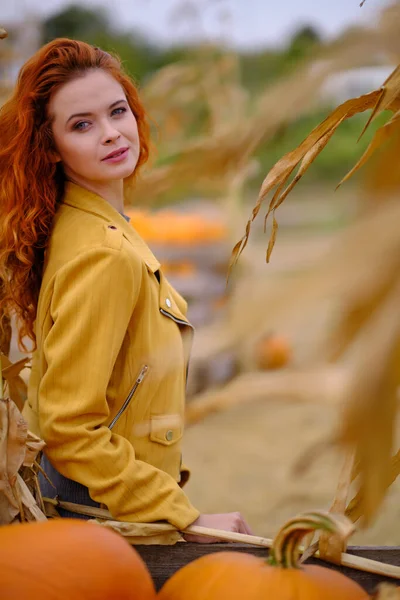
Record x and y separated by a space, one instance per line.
186 518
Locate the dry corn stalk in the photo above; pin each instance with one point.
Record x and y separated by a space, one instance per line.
370 413
15 385
18 450
331 546
386 98
387 591
358 306
356 507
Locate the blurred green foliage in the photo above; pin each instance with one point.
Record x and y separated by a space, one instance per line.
336 159
141 58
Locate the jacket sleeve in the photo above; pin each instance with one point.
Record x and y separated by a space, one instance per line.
92 304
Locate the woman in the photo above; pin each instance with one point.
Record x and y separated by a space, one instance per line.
111 337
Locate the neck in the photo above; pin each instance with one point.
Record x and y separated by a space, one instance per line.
111 191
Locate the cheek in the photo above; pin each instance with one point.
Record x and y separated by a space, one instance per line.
74 150
133 129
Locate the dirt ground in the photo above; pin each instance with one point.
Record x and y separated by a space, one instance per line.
244 459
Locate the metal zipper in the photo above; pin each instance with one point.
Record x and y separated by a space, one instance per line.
180 321
138 381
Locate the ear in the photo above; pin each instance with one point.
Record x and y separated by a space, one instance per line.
54 156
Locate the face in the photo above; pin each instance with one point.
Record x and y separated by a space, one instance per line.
91 119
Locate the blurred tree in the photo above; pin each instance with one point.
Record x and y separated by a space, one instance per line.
76 22
304 41
304 38
93 26
260 68
267 64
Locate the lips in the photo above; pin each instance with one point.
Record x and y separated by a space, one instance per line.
115 153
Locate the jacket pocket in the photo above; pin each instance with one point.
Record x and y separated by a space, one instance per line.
166 429
138 381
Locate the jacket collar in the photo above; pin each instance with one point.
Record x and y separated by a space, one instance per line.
83 199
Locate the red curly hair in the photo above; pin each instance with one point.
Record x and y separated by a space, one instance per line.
31 185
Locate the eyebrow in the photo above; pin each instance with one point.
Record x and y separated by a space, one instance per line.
88 114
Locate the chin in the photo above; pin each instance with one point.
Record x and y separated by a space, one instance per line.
127 172
122 171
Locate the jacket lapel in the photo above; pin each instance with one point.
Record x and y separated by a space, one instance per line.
83 199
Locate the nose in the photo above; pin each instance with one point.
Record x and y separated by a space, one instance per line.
109 134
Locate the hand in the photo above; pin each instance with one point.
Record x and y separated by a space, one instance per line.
227 521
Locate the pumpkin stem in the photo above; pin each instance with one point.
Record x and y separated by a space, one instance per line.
285 549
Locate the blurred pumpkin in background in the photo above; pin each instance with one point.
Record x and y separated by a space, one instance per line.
70 559
177 228
272 351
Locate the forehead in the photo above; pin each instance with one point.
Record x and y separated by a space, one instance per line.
94 91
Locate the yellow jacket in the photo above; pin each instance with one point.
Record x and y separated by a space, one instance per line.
107 388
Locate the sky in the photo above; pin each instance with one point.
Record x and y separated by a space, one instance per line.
242 23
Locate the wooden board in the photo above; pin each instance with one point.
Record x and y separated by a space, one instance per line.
163 561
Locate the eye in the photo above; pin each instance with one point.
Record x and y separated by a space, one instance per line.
79 126
121 108
83 125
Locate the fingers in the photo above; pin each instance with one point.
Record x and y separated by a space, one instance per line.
228 522
248 531
240 525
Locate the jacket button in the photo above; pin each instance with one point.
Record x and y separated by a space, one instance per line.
168 302
169 435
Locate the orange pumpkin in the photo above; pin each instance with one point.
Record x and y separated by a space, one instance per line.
177 228
272 351
70 559
239 576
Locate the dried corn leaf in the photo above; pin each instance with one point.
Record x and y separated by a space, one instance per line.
273 237
5 334
382 179
305 163
369 415
358 307
382 135
386 591
331 546
11 458
31 510
16 438
304 155
386 98
17 391
355 508
389 96
11 370
144 533
17 447
33 446
9 508
17 388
